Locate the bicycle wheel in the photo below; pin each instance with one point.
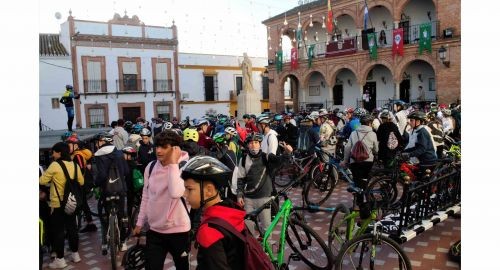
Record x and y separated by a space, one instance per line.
113 239
337 232
284 175
370 251
382 190
319 189
308 245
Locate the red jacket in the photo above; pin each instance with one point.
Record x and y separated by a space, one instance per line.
251 127
204 140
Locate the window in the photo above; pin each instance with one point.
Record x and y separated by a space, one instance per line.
55 103
265 88
162 83
130 76
93 82
163 112
211 88
96 117
239 84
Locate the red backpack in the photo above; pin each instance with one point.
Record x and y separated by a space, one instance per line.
359 152
255 257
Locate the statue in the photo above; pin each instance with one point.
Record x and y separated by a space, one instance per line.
246 68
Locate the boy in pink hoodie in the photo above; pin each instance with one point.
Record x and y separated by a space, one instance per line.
162 207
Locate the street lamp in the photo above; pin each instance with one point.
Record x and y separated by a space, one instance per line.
443 56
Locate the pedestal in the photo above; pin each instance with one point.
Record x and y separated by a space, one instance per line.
248 102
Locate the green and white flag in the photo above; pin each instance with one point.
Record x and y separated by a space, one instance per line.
279 61
372 44
310 54
424 42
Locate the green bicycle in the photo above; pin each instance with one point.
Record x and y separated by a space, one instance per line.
305 243
349 243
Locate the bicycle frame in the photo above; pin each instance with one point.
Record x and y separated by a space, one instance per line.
283 214
351 219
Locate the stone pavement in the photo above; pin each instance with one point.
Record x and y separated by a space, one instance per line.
426 251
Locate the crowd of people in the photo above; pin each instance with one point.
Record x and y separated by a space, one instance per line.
198 169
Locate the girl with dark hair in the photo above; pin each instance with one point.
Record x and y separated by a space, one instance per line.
59 220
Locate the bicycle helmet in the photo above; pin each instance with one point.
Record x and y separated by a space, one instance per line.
69 87
323 113
222 120
231 131
128 126
219 137
348 110
167 125
73 139
246 116
365 119
359 112
278 117
254 137
190 134
201 122
129 150
417 115
264 119
203 168
135 257
145 132
136 129
103 136
313 115
446 112
385 115
184 124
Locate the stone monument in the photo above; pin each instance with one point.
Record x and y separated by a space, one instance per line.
248 99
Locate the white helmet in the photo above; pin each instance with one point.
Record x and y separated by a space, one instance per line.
167 125
230 130
313 115
323 112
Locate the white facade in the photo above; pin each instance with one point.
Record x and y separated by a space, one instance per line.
54 74
226 68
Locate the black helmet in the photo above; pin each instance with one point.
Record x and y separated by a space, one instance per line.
69 87
417 115
135 257
365 119
128 126
207 168
103 136
246 116
253 137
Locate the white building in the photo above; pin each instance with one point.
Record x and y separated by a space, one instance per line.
124 69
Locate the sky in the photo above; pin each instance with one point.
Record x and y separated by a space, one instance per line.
228 27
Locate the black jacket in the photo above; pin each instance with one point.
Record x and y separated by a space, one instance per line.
219 249
383 132
424 148
145 155
290 134
103 159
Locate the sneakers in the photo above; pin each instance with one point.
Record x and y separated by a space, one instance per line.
90 227
104 250
123 247
53 255
58 263
75 257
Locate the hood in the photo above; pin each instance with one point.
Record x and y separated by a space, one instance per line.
105 150
192 148
85 153
228 211
364 129
272 131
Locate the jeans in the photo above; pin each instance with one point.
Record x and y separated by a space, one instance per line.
264 216
158 245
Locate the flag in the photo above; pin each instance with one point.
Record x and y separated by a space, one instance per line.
310 54
295 59
279 61
299 34
329 21
372 44
397 42
424 42
366 16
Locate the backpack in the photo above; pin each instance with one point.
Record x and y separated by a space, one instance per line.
359 152
137 179
72 199
115 184
88 178
254 255
392 141
64 100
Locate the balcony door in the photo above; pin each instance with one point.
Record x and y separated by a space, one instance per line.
404 91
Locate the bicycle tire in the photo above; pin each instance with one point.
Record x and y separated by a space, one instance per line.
383 191
302 244
391 254
112 241
283 176
319 189
337 231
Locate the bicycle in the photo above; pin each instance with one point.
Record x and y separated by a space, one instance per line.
300 165
113 233
296 232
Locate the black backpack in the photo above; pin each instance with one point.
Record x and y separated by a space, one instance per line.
115 184
72 200
64 100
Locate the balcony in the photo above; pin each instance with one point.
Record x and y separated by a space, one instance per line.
131 85
162 85
354 44
94 86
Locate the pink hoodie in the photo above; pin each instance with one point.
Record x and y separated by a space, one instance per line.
161 205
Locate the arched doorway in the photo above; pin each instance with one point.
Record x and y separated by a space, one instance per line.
378 89
418 83
316 93
290 86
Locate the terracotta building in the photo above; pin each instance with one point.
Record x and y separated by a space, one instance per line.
342 71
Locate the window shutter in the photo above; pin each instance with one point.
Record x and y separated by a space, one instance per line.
129 68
